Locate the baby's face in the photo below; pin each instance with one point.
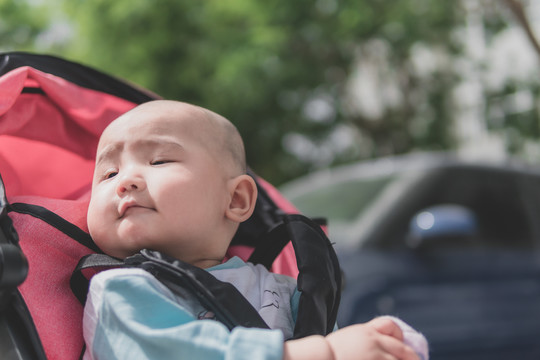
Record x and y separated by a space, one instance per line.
158 186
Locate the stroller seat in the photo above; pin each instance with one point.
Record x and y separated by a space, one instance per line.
52 112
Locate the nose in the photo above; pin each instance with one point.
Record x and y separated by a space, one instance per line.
130 182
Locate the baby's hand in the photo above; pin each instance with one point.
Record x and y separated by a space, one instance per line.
379 339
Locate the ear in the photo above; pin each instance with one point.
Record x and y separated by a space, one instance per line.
243 192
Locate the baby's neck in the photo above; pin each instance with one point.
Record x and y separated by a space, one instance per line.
200 262
206 263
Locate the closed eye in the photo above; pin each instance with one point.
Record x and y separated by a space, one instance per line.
110 174
160 162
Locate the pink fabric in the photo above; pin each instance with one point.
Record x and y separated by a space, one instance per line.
47 149
48 143
52 257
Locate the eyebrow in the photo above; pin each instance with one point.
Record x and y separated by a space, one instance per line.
108 152
160 141
112 149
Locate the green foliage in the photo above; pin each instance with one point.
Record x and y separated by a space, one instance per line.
258 63
514 113
270 65
20 24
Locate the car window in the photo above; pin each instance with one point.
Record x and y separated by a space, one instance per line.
342 201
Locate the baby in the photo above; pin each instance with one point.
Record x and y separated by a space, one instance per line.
171 177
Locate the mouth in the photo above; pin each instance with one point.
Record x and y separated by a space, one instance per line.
128 206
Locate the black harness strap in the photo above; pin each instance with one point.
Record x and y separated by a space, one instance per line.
229 305
269 246
319 278
57 222
79 283
223 299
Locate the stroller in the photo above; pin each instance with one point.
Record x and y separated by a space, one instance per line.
52 112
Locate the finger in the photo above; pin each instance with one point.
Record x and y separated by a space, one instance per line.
397 348
387 326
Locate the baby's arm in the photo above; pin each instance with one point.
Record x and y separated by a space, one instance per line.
131 315
377 339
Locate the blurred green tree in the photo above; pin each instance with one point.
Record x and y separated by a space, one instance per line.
282 67
309 83
20 23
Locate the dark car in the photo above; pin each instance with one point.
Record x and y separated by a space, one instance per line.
450 246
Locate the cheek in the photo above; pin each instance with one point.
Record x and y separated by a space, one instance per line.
101 226
188 200
95 219
97 215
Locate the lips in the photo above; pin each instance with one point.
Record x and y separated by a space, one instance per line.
127 205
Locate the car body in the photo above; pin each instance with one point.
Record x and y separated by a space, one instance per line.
451 246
